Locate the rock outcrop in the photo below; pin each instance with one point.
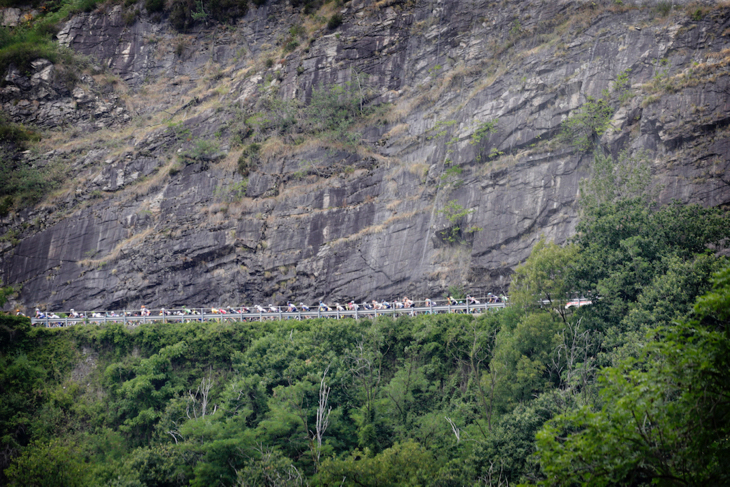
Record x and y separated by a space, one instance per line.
472 95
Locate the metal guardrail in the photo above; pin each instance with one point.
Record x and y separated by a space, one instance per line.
269 315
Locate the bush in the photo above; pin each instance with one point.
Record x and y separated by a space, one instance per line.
22 53
180 48
13 329
290 46
237 191
27 184
184 13
203 150
154 5
334 22
583 129
5 206
180 15
18 135
130 17
86 5
297 31
334 110
227 10
174 170
248 159
663 8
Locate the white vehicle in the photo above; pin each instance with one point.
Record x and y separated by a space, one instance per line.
577 303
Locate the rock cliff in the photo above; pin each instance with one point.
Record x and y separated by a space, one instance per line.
458 169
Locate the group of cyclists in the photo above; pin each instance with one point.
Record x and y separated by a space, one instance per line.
184 313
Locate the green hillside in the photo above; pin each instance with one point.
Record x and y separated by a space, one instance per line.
630 390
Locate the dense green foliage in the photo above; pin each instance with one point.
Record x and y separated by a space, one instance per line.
629 390
664 414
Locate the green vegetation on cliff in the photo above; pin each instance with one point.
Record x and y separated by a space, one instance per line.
631 389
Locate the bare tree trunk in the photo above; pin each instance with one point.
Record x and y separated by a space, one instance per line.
323 415
197 402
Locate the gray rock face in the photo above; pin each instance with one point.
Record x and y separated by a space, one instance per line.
323 220
45 98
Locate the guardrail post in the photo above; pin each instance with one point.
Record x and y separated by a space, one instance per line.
467 307
355 313
280 318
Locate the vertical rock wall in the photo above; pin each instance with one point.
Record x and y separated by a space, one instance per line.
322 220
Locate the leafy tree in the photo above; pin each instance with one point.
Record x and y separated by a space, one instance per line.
545 278
665 417
156 465
404 464
48 464
4 293
13 331
586 126
333 110
269 468
626 245
455 214
522 357
507 455
614 180
142 389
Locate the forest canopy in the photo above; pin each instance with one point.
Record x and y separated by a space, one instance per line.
629 390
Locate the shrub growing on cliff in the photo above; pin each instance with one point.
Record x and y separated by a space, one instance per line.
455 214
14 134
184 13
203 150
153 6
248 159
588 124
24 183
332 111
614 180
21 47
334 22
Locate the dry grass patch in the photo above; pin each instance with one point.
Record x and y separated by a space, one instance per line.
149 183
230 163
379 228
393 205
716 64
397 130
419 169
112 256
